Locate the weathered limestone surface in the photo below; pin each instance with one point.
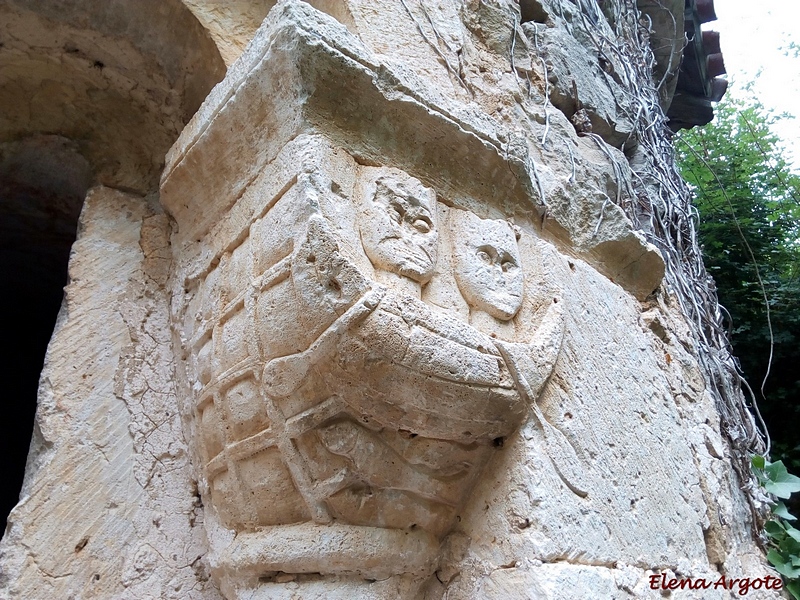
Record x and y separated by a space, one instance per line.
385 332
119 79
109 507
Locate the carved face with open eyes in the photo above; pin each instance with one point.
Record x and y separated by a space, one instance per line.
487 265
398 228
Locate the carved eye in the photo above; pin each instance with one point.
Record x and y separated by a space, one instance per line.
422 225
396 212
508 265
484 256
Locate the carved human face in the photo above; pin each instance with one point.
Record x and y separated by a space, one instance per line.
487 265
398 227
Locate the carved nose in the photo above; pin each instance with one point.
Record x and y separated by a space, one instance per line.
497 273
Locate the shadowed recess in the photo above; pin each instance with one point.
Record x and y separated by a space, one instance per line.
93 92
43 181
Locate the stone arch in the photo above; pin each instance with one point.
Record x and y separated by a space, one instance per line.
92 93
121 79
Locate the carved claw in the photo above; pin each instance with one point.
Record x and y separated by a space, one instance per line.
537 359
530 366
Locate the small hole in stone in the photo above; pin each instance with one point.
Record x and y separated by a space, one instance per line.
311 258
98 64
532 11
82 544
498 442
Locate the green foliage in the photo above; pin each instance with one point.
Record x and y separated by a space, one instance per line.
779 481
784 550
748 200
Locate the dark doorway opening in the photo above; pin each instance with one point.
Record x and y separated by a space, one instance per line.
43 181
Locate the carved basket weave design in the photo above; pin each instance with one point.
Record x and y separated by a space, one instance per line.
321 395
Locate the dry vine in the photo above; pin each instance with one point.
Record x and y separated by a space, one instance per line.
662 207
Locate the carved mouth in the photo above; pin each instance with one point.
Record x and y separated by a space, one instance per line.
503 302
412 258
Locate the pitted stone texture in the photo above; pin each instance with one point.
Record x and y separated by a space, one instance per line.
487 265
625 400
574 485
326 391
395 109
437 439
118 80
108 509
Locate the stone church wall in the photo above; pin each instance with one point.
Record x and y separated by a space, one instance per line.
384 331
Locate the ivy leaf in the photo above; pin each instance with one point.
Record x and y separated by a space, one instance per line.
780 482
780 510
793 587
758 461
775 530
795 535
781 565
789 546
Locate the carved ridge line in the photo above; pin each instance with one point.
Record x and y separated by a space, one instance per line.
272 276
290 455
386 80
296 465
337 549
335 483
219 408
231 465
242 70
244 232
326 340
415 482
241 450
315 416
248 366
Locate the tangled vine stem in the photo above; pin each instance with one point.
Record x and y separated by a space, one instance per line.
662 207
